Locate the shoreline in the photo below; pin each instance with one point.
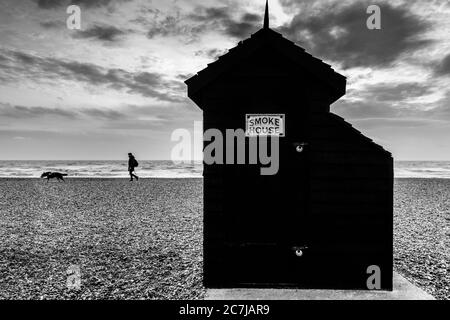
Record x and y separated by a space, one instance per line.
190 177
109 178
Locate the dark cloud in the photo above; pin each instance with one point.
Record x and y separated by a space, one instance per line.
102 33
221 19
91 3
18 65
395 109
339 33
443 68
226 20
204 14
211 53
50 4
239 30
149 79
161 24
385 101
170 25
251 18
396 93
52 24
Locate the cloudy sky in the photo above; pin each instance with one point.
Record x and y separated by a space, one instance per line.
117 86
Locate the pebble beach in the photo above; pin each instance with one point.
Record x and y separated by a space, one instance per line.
143 240
140 240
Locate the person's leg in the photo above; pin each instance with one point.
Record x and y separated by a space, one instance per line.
131 174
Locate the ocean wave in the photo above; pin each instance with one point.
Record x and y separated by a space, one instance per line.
169 169
100 169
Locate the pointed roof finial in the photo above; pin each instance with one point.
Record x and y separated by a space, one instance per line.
266 16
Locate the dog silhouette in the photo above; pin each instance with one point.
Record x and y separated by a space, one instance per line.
50 175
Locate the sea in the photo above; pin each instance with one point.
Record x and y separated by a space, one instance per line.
170 169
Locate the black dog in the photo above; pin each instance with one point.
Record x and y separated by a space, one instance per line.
51 175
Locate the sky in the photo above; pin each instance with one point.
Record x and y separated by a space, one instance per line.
116 85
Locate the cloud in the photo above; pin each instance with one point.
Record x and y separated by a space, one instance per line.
386 107
378 123
443 68
22 112
441 109
18 65
51 4
386 100
340 33
184 76
103 114
102 33
395 93
251 18
170 25
365 109
33 112
152 117
91 3
205 14
229 21
202 20
221 18
210 53
53 24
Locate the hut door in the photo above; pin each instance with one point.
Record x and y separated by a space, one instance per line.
294 245
294 181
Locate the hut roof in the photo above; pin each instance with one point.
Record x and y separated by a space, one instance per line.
271 40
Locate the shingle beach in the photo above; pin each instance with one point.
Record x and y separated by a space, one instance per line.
144 240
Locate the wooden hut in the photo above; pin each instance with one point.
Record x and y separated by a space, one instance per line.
327 215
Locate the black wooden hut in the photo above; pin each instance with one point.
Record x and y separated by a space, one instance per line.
327 215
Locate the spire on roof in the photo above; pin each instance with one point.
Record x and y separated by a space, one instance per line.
266 16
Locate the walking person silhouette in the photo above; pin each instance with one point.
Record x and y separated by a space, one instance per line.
132 163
